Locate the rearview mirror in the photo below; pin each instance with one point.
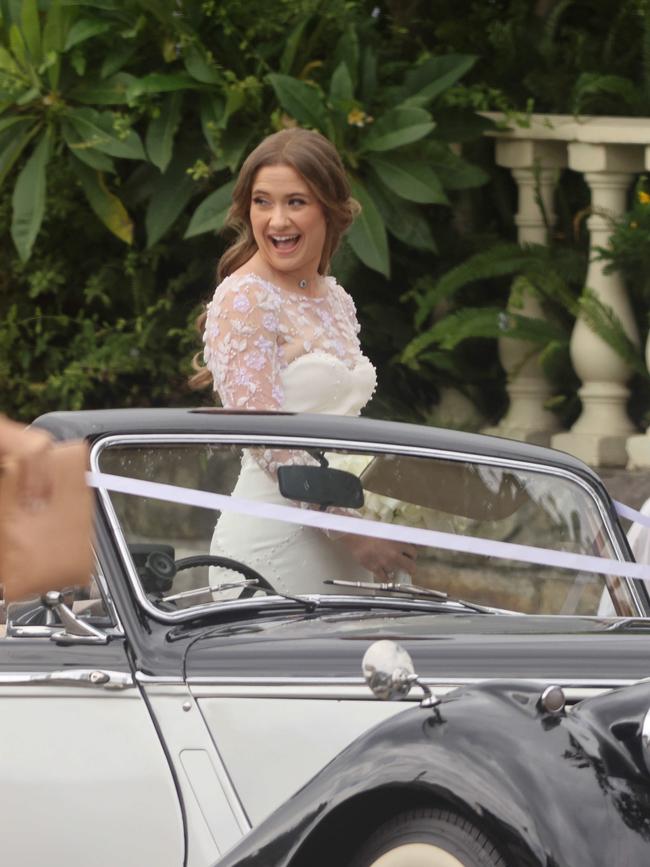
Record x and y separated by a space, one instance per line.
321 486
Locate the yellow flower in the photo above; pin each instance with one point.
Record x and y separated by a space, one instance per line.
634 225
357 117
644 198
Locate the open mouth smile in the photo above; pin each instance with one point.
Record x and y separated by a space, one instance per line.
285 243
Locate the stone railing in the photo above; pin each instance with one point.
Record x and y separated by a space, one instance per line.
609 152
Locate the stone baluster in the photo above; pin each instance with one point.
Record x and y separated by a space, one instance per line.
535 167
638 447
599 435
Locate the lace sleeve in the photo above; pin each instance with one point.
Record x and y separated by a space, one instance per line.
349 308
242 346
243 354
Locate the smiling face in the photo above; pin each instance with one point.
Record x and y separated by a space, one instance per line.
288 222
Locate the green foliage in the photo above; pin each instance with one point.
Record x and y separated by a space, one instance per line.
628 250
121 127
604 322
386 141
143 107
562 56
123 122
553 275
559 56
79 330
446 319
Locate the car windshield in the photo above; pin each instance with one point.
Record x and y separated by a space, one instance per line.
241 555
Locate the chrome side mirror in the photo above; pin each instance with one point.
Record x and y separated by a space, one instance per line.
389 672
75 631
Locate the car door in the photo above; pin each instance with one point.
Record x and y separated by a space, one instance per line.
83 776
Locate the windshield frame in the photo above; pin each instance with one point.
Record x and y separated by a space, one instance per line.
246 440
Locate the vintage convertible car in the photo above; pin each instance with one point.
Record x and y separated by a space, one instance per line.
183 710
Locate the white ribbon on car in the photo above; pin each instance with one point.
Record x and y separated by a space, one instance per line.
631 514
377 529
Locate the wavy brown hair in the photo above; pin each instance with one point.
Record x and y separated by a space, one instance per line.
316 160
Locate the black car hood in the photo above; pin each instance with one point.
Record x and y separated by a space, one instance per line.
443 646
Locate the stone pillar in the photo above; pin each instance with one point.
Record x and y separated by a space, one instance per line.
535 166
638 447
600 433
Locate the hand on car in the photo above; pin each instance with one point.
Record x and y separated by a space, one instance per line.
383 557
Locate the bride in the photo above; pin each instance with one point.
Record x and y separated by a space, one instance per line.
279 334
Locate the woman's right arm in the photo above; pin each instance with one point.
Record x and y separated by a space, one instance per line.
242 351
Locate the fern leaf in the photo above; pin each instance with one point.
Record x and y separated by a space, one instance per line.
532 329
604 322
553 357
591 85
491 322
553 19
442 361
415 348
485 322
612 44
499 261
521 287
552 287
466 323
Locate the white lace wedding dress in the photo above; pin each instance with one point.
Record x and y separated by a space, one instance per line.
268 348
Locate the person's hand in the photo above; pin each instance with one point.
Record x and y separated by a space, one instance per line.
28 447
383 557
34 481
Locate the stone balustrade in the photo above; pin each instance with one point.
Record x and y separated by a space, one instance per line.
610 152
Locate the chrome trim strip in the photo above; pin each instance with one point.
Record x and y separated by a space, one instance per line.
249 439
152 678
226 682
362 692
355 688
359 681
84 677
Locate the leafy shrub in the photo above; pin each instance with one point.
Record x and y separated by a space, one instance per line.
122 123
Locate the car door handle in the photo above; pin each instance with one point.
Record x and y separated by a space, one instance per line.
90 677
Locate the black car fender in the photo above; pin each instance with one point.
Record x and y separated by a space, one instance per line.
538 785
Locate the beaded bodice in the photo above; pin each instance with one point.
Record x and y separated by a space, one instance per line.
268 348
255 330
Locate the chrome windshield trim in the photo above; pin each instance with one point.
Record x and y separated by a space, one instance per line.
100 576
288 441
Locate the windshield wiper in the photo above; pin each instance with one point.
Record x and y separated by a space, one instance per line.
410 590
309 604
211 588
